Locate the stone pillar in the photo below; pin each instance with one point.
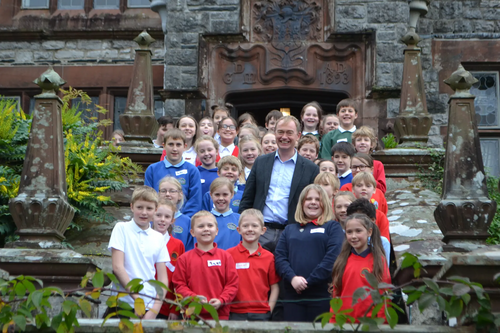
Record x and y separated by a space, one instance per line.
414 122
465 211
41 210
138 121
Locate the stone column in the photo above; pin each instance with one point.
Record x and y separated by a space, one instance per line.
465 211
138 121
41 210
414 122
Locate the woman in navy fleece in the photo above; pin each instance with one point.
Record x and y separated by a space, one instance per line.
305 255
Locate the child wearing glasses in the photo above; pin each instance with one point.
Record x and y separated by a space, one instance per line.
227 131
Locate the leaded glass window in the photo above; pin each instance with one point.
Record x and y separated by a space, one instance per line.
487 101
490 150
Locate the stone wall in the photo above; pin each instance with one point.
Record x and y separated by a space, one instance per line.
74 52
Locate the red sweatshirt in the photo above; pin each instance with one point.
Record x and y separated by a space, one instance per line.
175 250
378 198
379 175
353 279
217 159
211 274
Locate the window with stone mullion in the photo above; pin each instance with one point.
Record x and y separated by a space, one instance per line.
107 4
138 3
71 4
35 4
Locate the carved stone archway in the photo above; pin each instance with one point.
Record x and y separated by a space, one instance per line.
287 45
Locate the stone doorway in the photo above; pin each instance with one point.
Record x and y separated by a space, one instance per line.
259 103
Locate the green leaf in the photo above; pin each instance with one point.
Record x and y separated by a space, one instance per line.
36 297
466 298
391 316
376 309
20 289
111 301
133 285
125 306
431 284
446 291
409 289
479 292
372 280
86 307
113 279
128 314
408 261
455 308
425 301
112 314
461 279
324 317
20 322
210 309
98 279
29 286
460 289
126 324
413 297
376 298
336 304
441 302
158 287
67 306
485 303
359 295
383 285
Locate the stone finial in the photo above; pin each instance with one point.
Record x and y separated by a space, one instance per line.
417 8
411 39
461 81
49 81
144 40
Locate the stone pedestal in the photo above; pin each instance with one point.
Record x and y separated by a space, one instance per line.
138 121
465 211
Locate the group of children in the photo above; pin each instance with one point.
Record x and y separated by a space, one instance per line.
192 198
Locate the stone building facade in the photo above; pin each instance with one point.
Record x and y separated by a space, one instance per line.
96 42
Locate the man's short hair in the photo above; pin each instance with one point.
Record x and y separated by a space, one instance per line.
344 147
311 139
363 206
274 114
288 119
253 213
175 134
145 193
347 103
203 213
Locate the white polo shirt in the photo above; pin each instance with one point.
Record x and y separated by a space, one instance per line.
142 249
226 151
190 155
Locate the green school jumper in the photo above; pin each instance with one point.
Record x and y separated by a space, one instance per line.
331 138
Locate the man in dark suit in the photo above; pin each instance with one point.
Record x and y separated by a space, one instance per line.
276 180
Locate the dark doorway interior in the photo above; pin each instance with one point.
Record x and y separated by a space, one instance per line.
259 103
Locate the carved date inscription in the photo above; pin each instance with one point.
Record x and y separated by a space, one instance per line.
238 68
334 73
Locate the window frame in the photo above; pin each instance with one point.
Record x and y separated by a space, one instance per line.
129 6
59 7
24 6
118 5
497 156
496 72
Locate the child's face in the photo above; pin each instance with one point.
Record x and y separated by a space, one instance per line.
229 133
327 166
162 219
251 229
245 131
188 126
269 143
160 134
359 165
357 235
342 161
170 192
340 207
174 149
249 153
363 144
207 153
271 125
329 190
331 123
308 150
347 115
204 230
362 190
312 205
218 116
143 212
230 172
222 198
117 138
207 127
310 118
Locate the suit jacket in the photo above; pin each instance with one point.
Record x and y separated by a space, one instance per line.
259 179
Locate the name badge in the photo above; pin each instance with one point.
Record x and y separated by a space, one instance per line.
318 231
181 172
203 181
214 263
242 265
342 140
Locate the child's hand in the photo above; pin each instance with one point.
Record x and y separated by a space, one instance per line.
202 298
150 315
216 303
299 284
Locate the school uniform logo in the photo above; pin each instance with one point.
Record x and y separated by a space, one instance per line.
374 202
174 255
182 181
177 229
231 226
236 203
212 263
365 269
